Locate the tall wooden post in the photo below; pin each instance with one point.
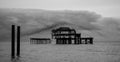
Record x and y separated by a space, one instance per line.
18 41
13 41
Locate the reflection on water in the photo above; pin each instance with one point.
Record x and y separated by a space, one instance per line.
98 52
16 60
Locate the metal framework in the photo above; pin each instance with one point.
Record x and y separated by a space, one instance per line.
65 35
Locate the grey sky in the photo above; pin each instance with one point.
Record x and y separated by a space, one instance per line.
108 8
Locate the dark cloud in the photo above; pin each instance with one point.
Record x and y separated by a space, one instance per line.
109 28
36 21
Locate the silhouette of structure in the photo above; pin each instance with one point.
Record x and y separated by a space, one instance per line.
40 40
13 41
65 35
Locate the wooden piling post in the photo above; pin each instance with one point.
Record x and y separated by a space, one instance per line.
13 41
18 41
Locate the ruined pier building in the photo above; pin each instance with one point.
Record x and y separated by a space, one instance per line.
65 35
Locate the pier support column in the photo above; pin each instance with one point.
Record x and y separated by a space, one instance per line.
13 46
18 41
13 41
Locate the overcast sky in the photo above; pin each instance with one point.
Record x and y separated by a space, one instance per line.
107 8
